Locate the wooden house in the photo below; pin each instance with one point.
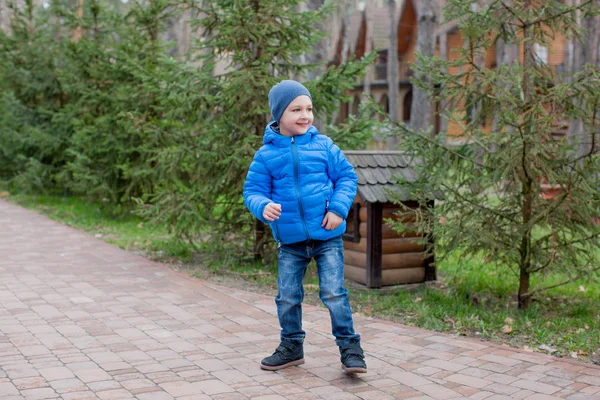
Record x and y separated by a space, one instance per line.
371 25
375 254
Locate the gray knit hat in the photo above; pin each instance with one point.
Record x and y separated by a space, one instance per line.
282 94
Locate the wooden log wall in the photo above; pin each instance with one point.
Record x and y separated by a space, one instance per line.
403 258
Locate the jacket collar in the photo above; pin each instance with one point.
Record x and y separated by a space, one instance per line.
271 136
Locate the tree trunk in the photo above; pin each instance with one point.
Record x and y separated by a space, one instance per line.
392 67
506 54
526 178
523 299
320 52
569 53
4 17
585 52
590 56
259 240
421 115
258 126
347 8
206 36
444 101
78 32
368 49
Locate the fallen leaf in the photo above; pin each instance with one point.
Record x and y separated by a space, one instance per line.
509 320
507 329
586 326
548 324
581 288
574 355
418 299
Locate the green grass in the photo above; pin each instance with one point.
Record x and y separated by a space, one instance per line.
474 300
119 227
469 298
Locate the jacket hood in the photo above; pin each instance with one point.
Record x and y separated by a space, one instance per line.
271 136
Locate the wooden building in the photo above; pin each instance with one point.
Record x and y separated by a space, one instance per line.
375 254
371 25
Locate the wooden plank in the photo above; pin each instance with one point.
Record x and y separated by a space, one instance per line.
386 232
389 277
360 246
403 260
402 245
388 261
355 274
389 213
373 233
402 276
359 200
356 258
388 246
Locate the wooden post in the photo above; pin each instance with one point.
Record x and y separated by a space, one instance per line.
430 271
374 242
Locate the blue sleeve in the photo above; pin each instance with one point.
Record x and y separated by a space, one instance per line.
257 188
344 180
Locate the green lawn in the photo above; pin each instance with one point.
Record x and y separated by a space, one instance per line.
469 298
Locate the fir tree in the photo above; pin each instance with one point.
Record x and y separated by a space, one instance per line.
115 101
33 141
260 43
495 199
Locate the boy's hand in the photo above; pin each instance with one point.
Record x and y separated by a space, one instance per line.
331 221
272 212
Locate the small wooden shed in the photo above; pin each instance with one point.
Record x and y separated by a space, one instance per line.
375 254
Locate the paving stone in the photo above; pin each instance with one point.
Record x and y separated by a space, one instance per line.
82 319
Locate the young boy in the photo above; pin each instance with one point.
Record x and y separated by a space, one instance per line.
302 185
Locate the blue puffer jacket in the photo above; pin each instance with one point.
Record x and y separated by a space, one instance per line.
308 175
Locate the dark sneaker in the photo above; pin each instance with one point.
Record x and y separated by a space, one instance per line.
353 358
287 354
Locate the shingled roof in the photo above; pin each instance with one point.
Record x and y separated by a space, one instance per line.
377 174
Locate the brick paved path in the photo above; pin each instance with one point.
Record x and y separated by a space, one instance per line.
81 319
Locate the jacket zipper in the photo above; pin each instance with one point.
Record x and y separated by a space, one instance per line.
296 186
277 234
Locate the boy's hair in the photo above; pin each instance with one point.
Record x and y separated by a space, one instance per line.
282 94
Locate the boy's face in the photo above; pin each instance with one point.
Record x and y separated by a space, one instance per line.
297 117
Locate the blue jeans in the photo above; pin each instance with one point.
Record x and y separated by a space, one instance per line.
293 260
